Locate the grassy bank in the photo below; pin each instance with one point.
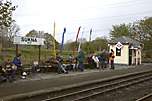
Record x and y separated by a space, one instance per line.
29 55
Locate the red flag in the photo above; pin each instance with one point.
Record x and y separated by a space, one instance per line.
78 33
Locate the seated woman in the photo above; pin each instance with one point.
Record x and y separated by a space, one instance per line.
96 60
61 67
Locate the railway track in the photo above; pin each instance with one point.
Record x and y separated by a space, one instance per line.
147 97
87 91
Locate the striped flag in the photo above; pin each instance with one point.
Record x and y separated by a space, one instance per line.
62 39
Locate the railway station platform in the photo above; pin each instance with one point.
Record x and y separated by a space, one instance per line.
41 82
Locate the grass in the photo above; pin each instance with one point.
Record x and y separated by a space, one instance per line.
28 55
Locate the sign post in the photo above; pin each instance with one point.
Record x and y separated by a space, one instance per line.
16 49
39 53
29 41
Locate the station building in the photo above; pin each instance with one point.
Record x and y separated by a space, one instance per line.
126 50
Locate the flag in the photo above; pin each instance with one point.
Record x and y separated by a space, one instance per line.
90 34
74 47
54 50
78 33
62 39
79 47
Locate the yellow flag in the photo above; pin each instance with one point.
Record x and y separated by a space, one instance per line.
54 40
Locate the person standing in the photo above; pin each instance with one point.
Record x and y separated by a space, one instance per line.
80 59
111 58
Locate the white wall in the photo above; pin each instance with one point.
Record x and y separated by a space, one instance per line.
124 58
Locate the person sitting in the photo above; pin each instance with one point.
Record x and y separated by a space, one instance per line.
3 76
96 60
70 65
18 64
60 67
9 70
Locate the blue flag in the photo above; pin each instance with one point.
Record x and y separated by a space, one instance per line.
62 39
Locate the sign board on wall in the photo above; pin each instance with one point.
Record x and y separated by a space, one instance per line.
28 40
119 45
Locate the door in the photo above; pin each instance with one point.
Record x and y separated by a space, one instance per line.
130 56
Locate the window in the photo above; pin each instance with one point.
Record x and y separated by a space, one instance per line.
118 52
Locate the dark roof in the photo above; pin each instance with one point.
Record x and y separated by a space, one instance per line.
126 40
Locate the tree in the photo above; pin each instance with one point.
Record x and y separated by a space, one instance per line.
32 33
49 39
143 30
120 30
13 31
6 10
100 44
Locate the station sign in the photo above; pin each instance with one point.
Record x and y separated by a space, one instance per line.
28 40
119 45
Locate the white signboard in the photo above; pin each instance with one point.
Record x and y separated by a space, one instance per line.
119 45
28 40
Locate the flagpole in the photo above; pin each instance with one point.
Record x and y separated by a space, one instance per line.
54 50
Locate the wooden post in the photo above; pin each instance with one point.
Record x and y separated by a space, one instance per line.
39 53
16 49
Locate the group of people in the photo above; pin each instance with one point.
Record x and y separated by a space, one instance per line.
99 61
76 63
9 68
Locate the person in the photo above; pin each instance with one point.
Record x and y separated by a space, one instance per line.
80 59
3 76
91 62
103 59
70 61
96 60
111 58
18 64
60 67
9 70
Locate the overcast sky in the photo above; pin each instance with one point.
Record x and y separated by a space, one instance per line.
99 15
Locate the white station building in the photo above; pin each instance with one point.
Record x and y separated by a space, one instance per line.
127 51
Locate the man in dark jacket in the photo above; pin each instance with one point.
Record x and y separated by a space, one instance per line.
80 59
17 63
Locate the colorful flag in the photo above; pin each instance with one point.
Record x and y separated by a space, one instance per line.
62 39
